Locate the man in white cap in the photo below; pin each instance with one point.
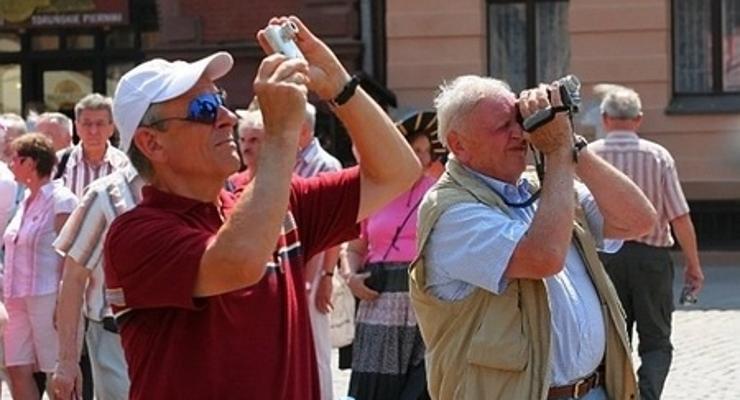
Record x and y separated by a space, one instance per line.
208 306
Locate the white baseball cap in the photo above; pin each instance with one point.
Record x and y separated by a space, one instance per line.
156 81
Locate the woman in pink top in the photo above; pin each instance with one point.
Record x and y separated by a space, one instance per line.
387 352
32 267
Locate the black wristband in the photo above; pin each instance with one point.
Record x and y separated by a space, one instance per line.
347 92
580 144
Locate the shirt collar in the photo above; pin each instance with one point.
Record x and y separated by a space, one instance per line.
621 135
511 193
48 187
79 154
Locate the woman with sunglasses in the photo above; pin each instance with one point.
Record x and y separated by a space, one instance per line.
32 267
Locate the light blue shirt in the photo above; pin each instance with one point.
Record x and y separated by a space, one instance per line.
471 245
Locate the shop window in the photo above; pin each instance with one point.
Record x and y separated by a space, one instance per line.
528 41
45 42
64 88
9 43
10 88
706 56
79 42
113 74
120 39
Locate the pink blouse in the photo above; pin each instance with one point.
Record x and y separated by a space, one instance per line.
32 266
380 228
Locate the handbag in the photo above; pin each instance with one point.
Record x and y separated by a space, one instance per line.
342 317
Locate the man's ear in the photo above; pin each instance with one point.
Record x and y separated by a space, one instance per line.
148 142
457 145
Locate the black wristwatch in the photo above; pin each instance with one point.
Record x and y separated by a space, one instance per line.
579 145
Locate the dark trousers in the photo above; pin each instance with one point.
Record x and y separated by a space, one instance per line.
643 278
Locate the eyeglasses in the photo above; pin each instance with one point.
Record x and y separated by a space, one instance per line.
202 109
97 124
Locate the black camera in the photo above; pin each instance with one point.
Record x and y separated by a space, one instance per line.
570 95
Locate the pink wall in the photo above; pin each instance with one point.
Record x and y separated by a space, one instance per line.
626 42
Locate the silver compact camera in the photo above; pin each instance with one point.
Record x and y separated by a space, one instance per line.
282 39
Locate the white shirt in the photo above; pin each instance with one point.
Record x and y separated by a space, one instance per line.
470 246
84 233
32 267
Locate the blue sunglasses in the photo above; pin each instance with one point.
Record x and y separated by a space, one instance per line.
202 109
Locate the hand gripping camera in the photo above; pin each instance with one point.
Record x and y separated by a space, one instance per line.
570 95
282 39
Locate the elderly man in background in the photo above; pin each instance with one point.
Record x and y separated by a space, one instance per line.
251 133
14 126
93 157
517 274
313 160
642 270
57 127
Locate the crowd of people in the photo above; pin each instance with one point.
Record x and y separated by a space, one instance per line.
198 260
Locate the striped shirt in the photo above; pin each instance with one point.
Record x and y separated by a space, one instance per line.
78 173
652 168
83 235
313 160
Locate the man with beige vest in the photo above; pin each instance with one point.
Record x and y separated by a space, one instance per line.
509 293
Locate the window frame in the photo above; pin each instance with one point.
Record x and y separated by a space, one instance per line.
717 101
531 39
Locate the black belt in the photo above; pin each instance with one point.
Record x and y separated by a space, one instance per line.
109 324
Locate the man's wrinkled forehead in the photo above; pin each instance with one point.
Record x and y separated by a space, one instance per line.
498 101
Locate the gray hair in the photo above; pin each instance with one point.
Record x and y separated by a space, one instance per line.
56 118
457 99
94 101
249 118
138 159
15 122
621 103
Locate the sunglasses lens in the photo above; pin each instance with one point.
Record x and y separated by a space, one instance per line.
204 108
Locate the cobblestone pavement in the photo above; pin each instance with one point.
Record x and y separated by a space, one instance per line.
706 362
706 337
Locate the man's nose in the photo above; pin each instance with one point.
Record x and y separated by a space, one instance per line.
225 118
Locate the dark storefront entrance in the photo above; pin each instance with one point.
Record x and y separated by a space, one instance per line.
54 56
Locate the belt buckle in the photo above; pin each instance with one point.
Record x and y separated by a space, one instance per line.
577 389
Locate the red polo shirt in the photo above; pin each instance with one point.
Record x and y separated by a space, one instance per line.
253 343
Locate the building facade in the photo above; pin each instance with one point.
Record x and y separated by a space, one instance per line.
682 56
53 52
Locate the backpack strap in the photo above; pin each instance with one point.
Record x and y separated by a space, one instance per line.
63 163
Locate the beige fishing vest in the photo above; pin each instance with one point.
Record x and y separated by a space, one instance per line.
490 346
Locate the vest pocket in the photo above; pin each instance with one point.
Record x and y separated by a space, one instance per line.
500 341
